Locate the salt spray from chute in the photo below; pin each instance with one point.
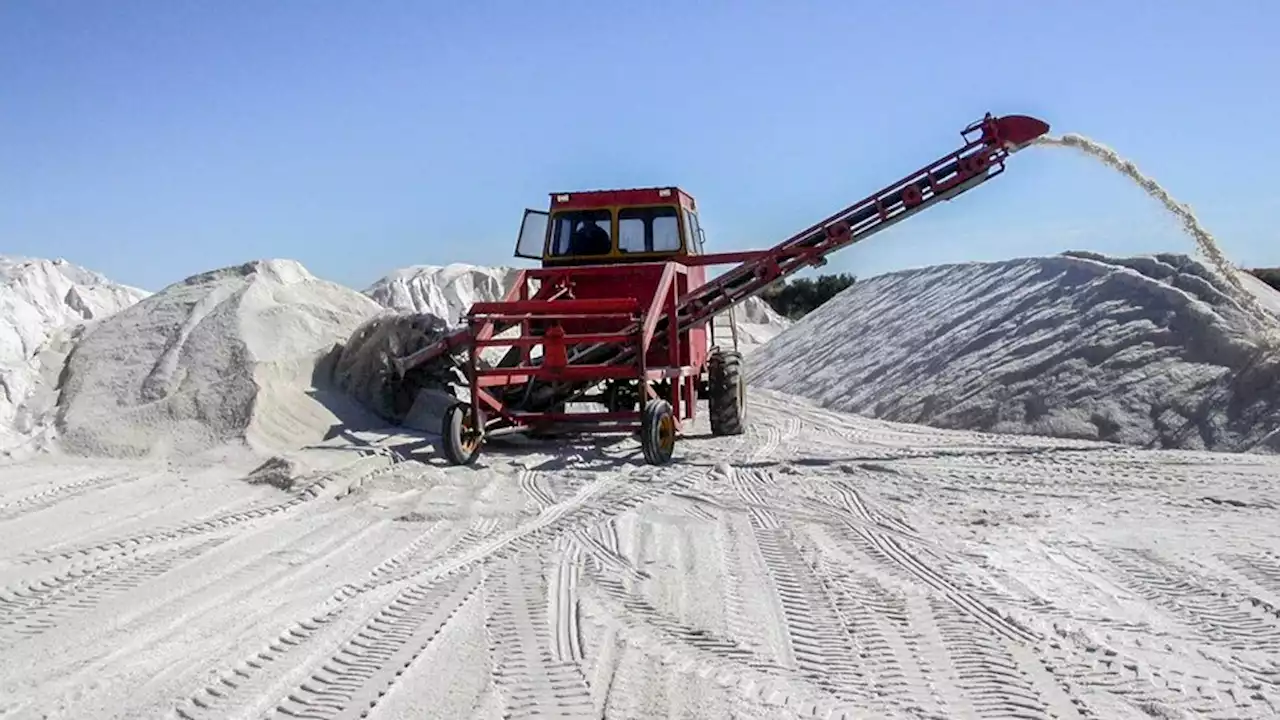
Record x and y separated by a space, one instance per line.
1268 324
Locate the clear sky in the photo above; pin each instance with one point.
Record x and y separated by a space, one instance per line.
154 140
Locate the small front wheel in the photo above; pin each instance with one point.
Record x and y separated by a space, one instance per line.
657 432
461 438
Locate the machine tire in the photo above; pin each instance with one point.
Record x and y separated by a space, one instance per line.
457 448
657 432
726 393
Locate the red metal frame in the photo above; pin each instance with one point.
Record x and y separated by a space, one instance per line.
646 321
573 320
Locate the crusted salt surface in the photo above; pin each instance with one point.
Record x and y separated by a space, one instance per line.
44 305
1146 351
225 356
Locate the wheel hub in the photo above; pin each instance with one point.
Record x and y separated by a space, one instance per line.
470 436
667 433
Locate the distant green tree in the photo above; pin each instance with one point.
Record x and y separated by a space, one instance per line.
796 298
1270 276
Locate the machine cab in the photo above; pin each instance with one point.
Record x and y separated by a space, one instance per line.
611 226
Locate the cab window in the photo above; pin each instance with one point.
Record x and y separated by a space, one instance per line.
582 233
649 230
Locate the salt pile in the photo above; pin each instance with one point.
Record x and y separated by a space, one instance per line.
758 323
43 307
1152 351
444 291
1267 297
226 356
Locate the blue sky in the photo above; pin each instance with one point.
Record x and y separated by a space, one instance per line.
154 140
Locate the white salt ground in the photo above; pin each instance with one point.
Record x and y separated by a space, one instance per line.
1150 351
222 357
819 566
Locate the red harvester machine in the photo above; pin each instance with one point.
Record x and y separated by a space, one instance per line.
620 310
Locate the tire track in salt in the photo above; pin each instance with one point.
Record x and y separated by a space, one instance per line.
595 504
39 606
692 505
1047 610
534 640
941 659
999 623
859 508
1243 622
257 673
880 623
132 543
778 437
482 544
819 643
601 547
1075 664
56 494
531 483
717 658
353 680
986 672
891 549
563 611
741 599
897 437
790 445
742 556
738 620
850 508
1262 568
424 553
1247 625
768 444
1085 663
823 650
747 484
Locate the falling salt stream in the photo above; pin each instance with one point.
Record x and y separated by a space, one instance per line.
1269 327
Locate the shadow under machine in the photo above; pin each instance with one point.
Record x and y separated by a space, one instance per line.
621 312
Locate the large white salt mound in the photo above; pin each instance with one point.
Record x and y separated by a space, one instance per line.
758 323
449 291
1146 351
224 356
444 291
43 304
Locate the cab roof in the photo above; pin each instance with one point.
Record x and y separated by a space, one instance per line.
591 199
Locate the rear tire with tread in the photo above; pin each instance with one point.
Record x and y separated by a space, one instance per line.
726 393
657 432
459 447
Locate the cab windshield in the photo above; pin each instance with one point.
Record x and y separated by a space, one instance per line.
640 230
